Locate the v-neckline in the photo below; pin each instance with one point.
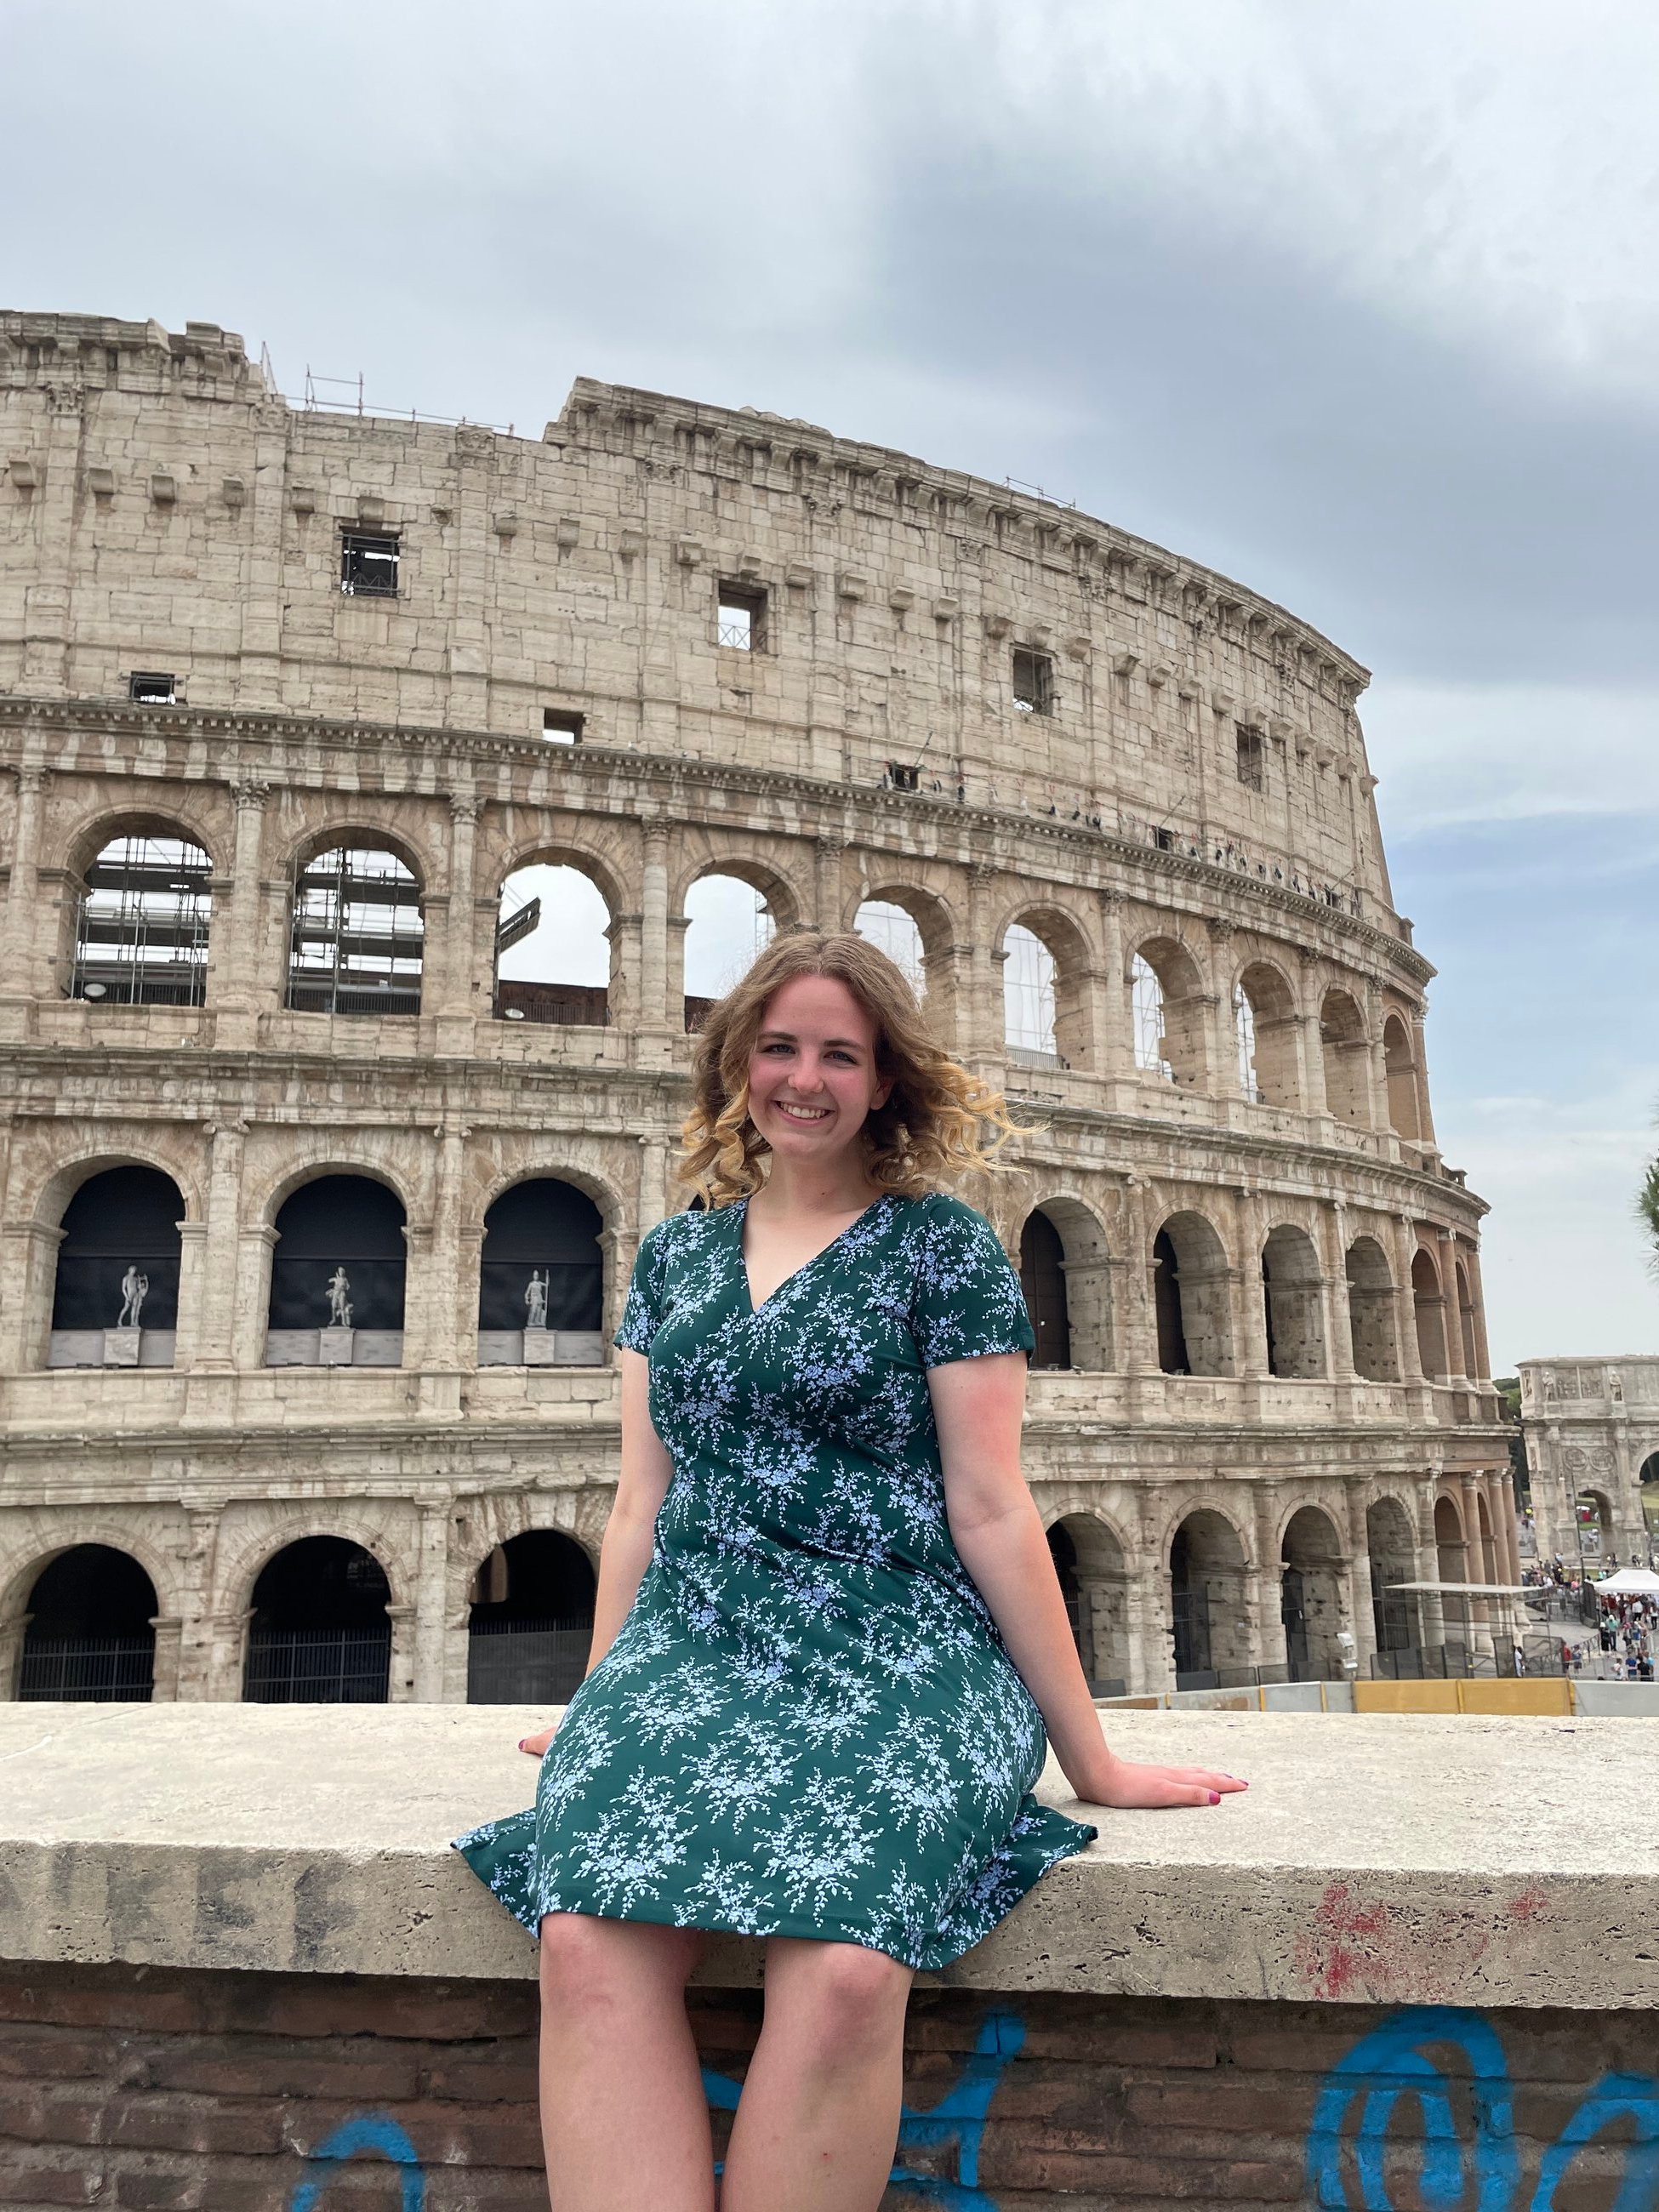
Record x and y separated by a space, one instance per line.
741 1210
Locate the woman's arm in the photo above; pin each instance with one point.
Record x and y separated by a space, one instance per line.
977 1405
625 1552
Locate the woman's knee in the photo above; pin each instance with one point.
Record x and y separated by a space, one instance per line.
588 1963
857 1996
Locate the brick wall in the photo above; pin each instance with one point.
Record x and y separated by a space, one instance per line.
158 2091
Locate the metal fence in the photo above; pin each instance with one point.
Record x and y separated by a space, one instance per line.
1436 1662
116 1668
1251 1678
524 1662
317 1666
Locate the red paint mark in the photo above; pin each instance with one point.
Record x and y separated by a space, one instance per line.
1341 1950
1530 1903
1365 1947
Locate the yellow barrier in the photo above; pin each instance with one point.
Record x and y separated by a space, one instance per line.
1550 1697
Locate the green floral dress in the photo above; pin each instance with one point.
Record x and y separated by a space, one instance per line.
808 1725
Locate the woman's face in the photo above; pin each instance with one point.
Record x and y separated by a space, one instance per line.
812 1072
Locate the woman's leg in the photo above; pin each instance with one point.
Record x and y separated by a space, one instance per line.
819 2112
624 2117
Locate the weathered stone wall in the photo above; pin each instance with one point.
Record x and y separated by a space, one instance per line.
1591 1428
162 509
233 2092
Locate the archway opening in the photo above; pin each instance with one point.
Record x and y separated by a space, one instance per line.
141 926
1293 1300
530 1622
358 938
1043 1278
1310 1597
1400 1064
1146 1009
115 1301
1206 1602
1592 1514
1453 1565
1264 1019
1371 1312
729 923
1168 1009
1030 979
1429 1307
892 930
320 1633
1391 1556
337 1276
1347 1059
91 1633
541 1278
1089 1563
1190 1297
553 956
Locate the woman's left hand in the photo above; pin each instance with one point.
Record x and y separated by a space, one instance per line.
1130 1785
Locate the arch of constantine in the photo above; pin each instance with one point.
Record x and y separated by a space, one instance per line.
318 1207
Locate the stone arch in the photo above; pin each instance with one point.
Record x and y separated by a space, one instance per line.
1346 1051
1466 1325
92 1610
1267 1025
1371 1312
115 1285
352 830
542 1275
1169 1007
915 930
1293 1300
556 950
1448 1541
1047 961
45 1202
1312 1566
530 1619
1191 1283
1084 1267
319 1630
1400 1062
357 924
1206 1565
141 916
338 1272
243 1557
723 936
1391 1559
1093 1573
93 832
1428 1300
76 1526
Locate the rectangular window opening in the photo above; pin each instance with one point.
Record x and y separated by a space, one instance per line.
147 689
904 776
1034 682
740 614
368 564
1252 758
561 728
1165 840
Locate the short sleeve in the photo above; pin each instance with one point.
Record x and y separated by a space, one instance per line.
642 1311
968 1302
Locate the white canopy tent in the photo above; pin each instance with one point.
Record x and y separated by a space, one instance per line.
1629 1581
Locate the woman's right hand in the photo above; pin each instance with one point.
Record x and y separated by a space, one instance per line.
537 1744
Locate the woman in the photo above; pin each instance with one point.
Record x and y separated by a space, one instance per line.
828 1632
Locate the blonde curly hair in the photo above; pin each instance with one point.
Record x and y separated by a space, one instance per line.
938 1123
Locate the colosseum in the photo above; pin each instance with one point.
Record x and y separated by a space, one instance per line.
385 795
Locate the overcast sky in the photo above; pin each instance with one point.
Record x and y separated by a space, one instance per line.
1359 303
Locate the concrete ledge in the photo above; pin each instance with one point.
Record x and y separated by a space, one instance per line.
1390 1859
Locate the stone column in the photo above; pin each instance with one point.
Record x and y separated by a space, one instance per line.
196 1641
654 1195
28 1274
258 674
47 599
1420 1077
1361 1620
25 964
829 884
1339 1321
167 1629
235 995
978 1012
1224 1044
1405 1250
657 1020
467 706
1251 1312
430 1607
401 1687
1314 1102
1270 1647
457 999
1477 1292
1114 1023
256 1243
435 1335
210 1347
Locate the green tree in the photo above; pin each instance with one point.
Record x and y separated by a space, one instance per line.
1647 1211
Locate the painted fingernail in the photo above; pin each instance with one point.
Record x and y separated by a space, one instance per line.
1215 1797
524 1743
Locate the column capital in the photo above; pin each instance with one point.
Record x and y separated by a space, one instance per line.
250 796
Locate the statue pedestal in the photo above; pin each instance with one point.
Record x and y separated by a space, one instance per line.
335 1346
120 1347
538 1350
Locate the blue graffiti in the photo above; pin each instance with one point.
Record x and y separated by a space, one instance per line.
1389 2065
957 2122
368 2131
